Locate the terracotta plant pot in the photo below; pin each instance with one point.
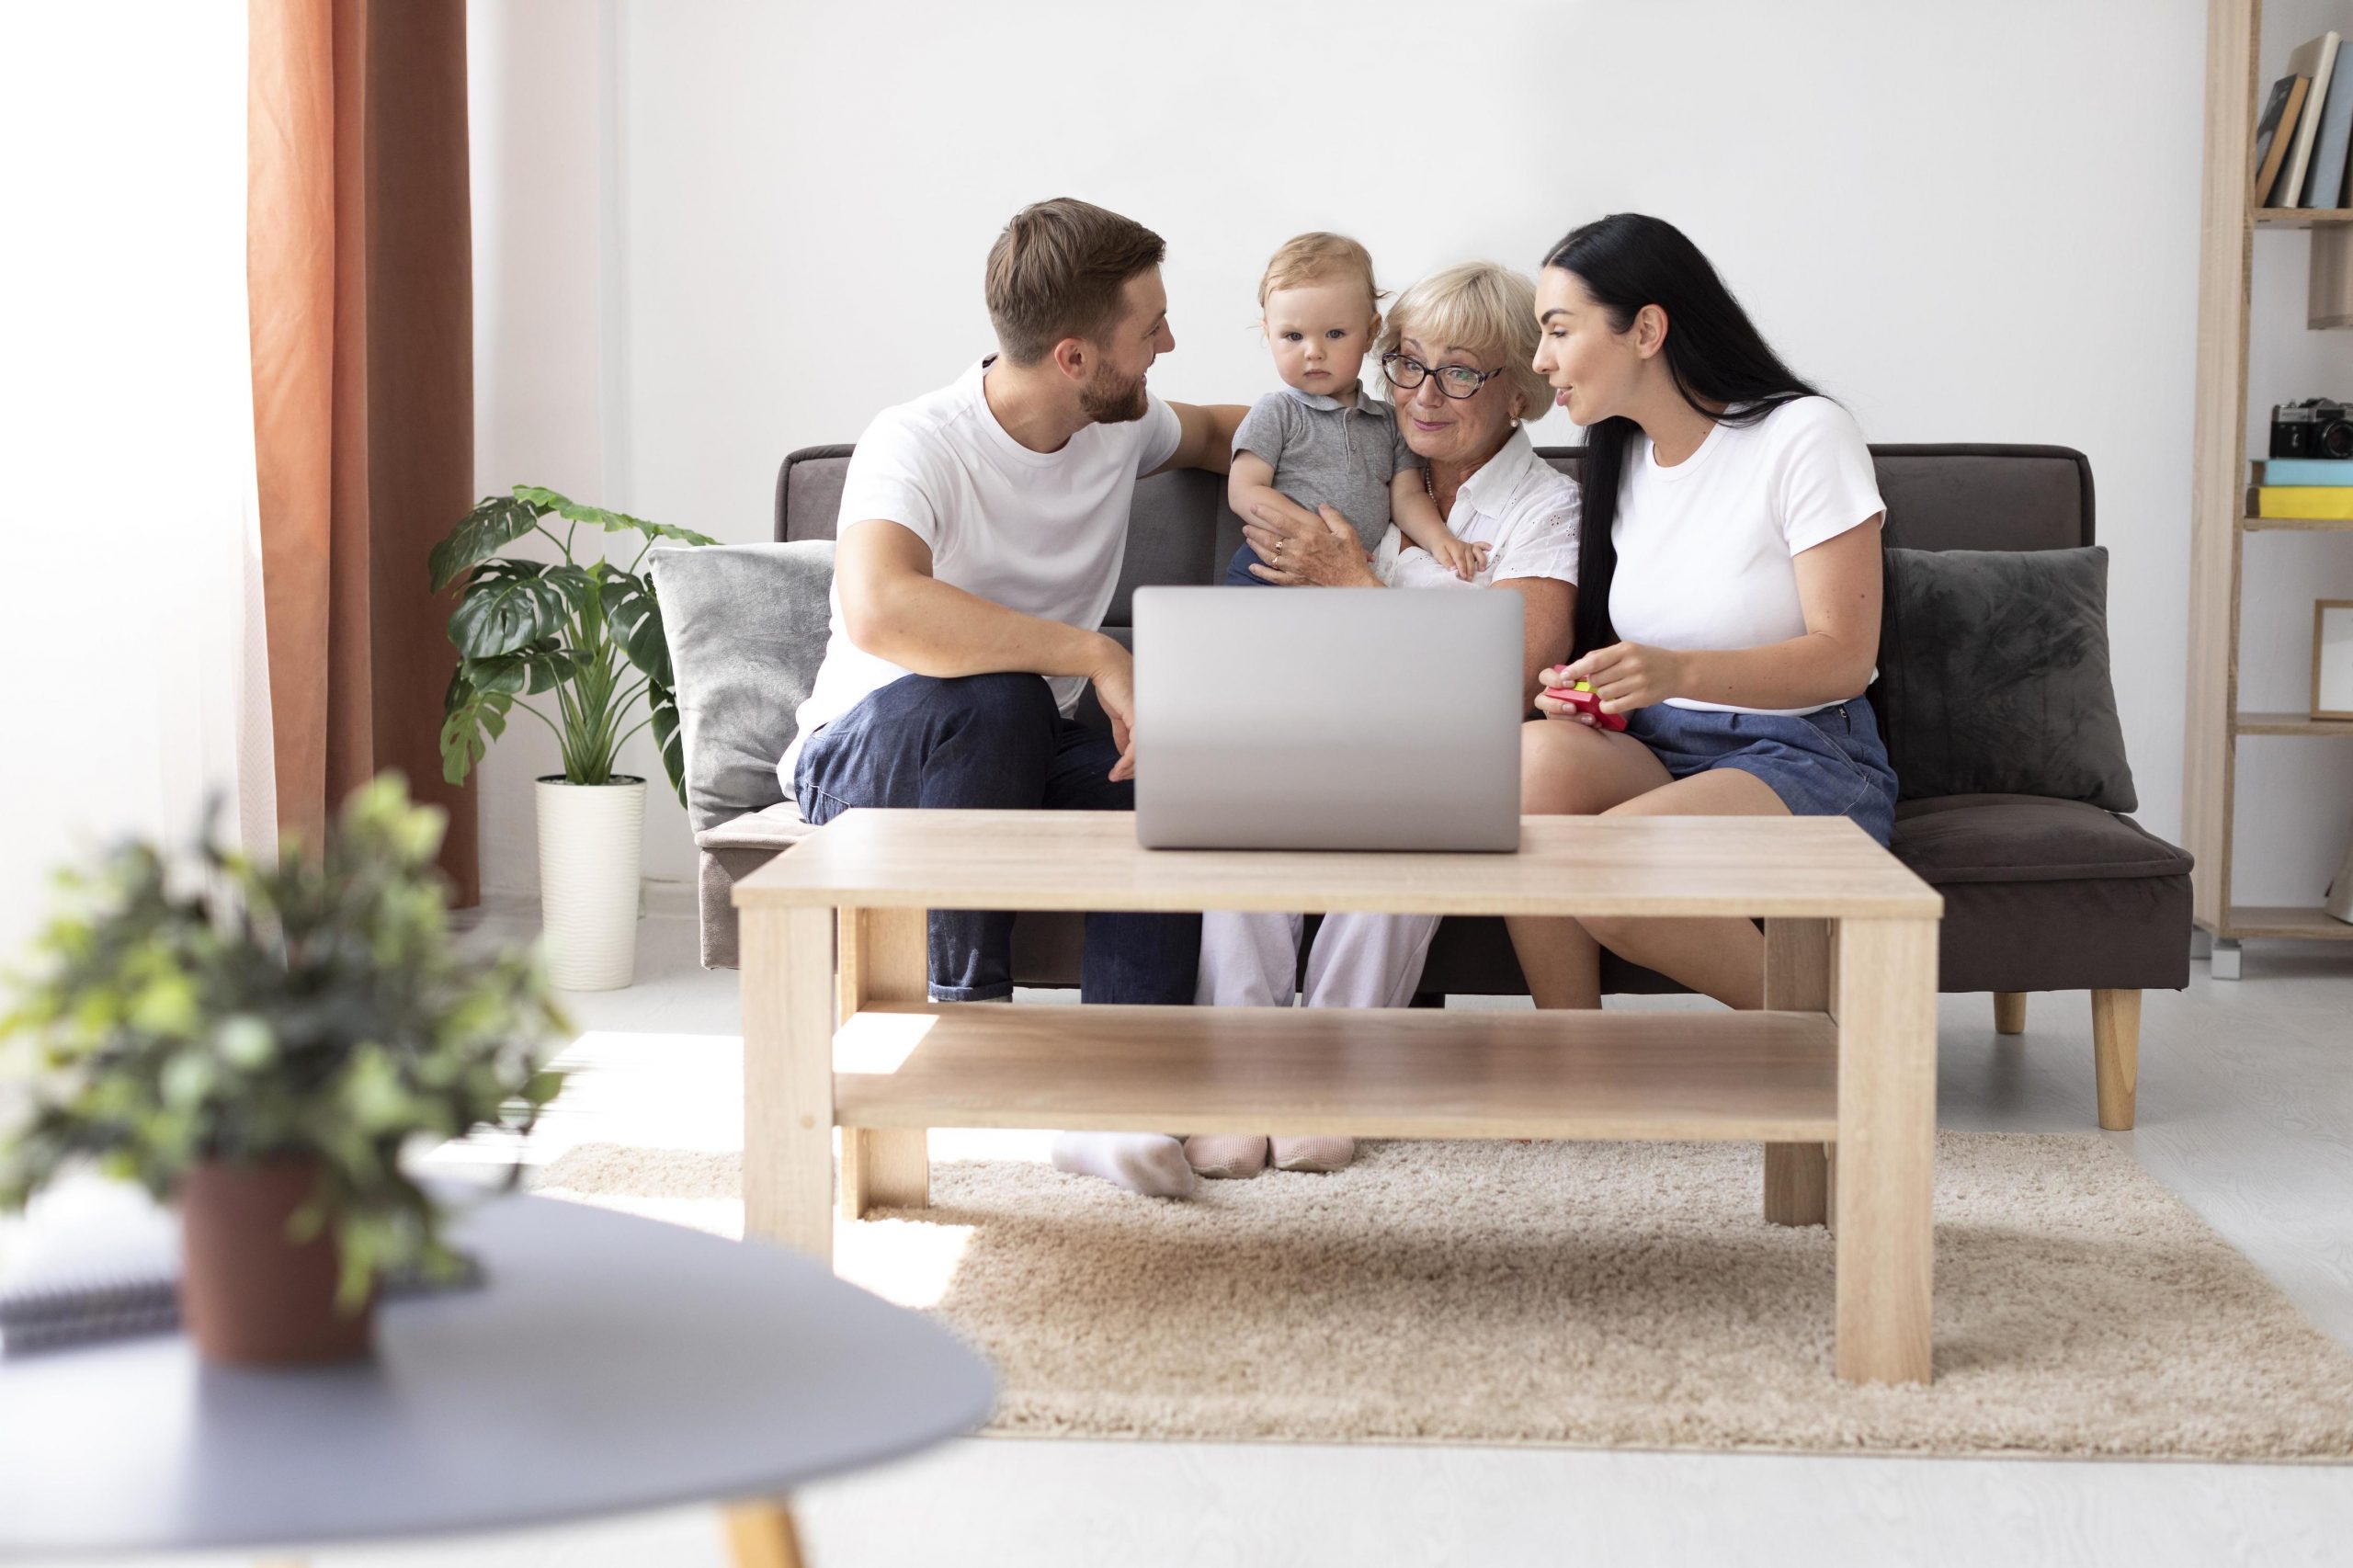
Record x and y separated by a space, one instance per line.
250 1296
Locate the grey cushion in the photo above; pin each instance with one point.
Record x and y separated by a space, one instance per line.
746 624
1994 676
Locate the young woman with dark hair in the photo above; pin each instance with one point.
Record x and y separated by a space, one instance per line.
1728 591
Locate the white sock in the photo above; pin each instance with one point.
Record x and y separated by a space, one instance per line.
1149 1162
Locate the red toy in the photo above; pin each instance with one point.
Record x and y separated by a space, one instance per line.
1581 698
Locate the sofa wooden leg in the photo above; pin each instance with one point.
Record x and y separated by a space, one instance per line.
2115 1055
2009 1012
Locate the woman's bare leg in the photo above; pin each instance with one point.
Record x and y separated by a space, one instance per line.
1568 769
1723 957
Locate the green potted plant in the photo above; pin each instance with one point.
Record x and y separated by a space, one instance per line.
592 635
260 1047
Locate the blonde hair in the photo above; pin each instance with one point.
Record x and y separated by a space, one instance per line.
1317 257
1482 306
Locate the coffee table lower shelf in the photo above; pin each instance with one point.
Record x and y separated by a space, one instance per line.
1752 1078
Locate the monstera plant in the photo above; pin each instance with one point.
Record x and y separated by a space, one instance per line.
589 634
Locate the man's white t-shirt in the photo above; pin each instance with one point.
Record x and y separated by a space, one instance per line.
1707 548
1043 533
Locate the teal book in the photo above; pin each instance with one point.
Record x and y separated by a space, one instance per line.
2303 473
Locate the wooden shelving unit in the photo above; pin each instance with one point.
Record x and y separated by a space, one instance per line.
2219 525
2299 525
2299 217
2290 724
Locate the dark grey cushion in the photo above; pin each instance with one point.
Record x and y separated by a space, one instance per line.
2025 839
1994 676
746 625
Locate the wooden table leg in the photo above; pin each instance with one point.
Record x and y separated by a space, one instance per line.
788 1077
761 1535
1798 964
1887 1132
884 958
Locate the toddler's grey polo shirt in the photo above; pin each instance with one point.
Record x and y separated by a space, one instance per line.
1325 453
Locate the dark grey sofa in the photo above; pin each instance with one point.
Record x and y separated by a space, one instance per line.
2039 894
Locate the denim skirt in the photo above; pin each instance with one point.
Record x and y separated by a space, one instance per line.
1828 763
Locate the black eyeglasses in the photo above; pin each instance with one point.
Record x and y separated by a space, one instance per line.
1457 381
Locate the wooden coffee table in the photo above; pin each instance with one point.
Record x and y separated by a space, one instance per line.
1837 1079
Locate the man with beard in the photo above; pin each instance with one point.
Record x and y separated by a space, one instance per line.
981 534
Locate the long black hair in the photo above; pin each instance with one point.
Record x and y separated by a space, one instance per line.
1713 352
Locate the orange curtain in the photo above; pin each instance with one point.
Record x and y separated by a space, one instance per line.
359 268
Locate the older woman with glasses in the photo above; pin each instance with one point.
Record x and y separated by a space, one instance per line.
1457 352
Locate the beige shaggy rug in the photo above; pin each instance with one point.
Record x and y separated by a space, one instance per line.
1622 1295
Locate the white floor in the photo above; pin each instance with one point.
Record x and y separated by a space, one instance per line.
2245 1110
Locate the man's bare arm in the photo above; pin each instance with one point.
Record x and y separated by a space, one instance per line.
1207 439
894 608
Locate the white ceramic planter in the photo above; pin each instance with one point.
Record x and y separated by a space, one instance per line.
591 836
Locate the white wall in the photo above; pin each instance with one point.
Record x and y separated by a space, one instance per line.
1969 222
544 360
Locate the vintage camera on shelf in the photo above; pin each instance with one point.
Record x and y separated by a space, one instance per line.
2314 427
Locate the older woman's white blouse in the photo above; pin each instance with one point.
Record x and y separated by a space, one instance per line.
1517 503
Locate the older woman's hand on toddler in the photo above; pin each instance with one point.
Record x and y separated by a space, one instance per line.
1298 547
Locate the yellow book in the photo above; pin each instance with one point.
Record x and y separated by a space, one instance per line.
2304 501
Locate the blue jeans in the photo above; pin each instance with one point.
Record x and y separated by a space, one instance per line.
994 742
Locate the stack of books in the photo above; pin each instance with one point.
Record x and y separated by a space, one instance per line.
2302 487
2306 133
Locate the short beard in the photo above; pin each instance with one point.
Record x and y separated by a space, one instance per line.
1108 402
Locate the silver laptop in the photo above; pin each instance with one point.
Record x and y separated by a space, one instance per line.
1327 718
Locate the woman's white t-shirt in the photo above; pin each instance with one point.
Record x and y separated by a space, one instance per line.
1707 548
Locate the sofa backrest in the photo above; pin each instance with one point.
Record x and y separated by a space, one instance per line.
1938 498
